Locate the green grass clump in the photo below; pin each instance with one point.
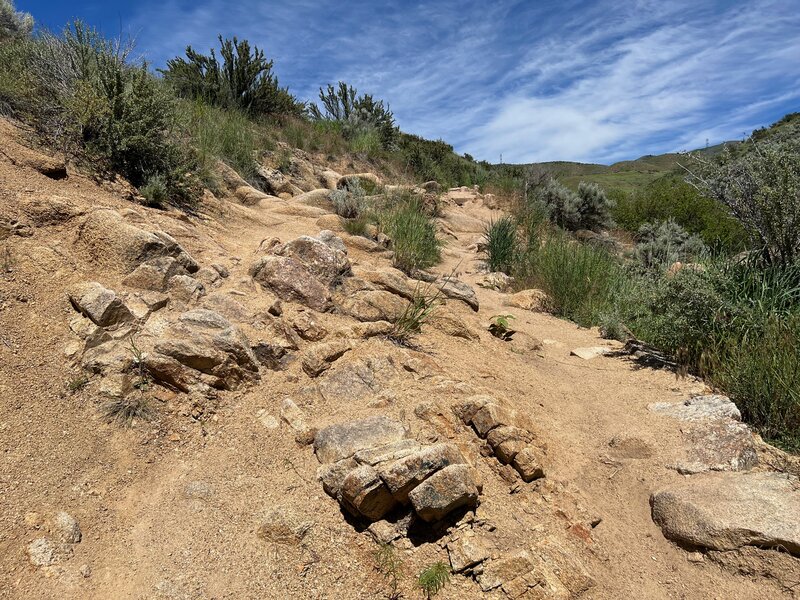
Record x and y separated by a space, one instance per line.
420 308
155 191
217 134
579 280
501 244
413 234
433 578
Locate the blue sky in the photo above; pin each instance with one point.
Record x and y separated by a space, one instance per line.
591 81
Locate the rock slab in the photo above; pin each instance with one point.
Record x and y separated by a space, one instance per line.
731 510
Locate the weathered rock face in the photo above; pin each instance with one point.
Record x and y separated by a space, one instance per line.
111 241
507 433
319 357
201 345
373 305
533 299
718 441
302 270
731 510
374 469
452 288
407 473
99 304
443 492
337 442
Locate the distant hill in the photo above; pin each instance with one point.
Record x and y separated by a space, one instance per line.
629 175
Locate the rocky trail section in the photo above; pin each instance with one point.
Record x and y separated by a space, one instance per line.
291 437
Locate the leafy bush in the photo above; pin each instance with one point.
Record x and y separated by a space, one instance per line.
589 209
501 244
155 191
358 115
350 202
13 24
670 197
431 160
761 189
243 79
662 244
413 235
579 280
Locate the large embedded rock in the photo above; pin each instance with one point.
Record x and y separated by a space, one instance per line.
532 299
528 463
154 274
391 280
290 280
387 452
452 288
343 440
357 378
374 305
699 408
302 270
322 258
320 357
404 475
99 304
363 493
112 242
206 343
731 510
443 492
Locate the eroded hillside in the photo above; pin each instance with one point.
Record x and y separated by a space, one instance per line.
286 441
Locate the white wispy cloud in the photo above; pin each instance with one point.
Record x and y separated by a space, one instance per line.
589 81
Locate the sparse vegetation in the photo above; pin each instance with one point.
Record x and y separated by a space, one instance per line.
413 234
433 578
390 566
77 383
155 191
501 244
420 308
133 404
350 202
500 327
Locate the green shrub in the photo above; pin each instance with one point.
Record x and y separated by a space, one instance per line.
761 373
662 244
761 189
13 23
670 197
501 244
155 191
358 225
413 236
243 79
350 202
579 280
360 117
589 209
217 134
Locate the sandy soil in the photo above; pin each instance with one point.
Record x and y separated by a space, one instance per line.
150 530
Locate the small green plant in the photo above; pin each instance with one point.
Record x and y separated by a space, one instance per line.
501 244
390 566
501 327
77 383
127 408
420 308
285 163
357 226
433 578
155 191
350 201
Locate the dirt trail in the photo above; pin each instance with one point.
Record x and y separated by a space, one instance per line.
170 509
